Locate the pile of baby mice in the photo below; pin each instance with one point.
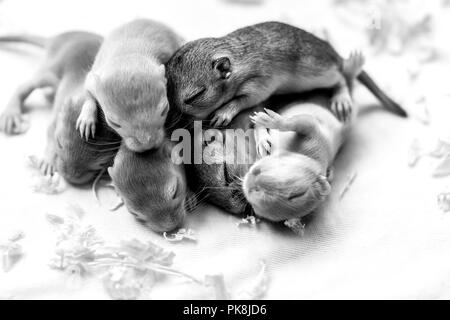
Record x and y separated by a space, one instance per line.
117 101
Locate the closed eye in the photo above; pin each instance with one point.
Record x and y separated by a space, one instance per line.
175 191
296 195
195 95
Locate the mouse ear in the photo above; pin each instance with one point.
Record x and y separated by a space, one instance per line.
321 188
223 66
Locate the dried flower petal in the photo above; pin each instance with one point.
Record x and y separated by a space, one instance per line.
11 250
16 236
50 185
415 153
11 253
444 200
181 235
421 111
130 268
443 168
250 221
54 219
258 288
442 149
296 226
124 283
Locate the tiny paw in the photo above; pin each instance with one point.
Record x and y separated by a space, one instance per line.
342 107
86 125
270 119
46 166
263 142
12 122
222 118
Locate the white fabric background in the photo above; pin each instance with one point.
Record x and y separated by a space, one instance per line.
385 239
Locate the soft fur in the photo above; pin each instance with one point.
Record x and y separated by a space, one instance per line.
152 186
223 76
128 81
68 59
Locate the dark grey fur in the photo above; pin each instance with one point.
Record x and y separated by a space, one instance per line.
264 59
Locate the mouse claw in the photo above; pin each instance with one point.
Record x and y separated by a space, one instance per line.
12 122
342 109
269 120
86 126
263 148
222 118
46 166
263 142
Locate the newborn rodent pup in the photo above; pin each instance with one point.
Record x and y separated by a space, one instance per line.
223 76
128 81
303 141
292 181
61 62
68 58
152 186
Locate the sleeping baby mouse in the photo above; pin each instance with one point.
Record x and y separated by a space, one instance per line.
152 186
128 82
223 76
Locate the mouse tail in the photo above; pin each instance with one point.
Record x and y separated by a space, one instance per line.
25 38
387 102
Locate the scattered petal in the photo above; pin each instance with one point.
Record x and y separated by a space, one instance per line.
124 283
11 251
415 153
50 185
442 149
296 226
444 200
130 269
182 234
420 111
250 221
54 219
16 236
443 168
258 288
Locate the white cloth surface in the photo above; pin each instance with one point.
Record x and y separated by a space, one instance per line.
385 239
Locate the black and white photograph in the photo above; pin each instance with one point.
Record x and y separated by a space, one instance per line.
239 150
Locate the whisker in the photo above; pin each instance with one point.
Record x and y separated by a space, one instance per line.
107 150
96 181
112 143
193 201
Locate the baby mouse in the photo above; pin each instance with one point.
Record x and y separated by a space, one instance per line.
68 58
152 186
61 62
223 76
128 82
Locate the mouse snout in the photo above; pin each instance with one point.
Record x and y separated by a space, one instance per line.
144 142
